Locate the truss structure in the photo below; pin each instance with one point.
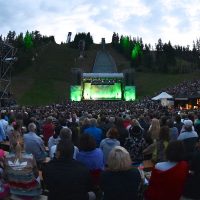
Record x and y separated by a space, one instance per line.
7 58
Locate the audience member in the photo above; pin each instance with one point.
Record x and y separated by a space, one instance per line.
120 180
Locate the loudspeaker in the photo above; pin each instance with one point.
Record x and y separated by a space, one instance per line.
129 78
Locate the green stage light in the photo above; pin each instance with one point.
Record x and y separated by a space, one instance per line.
75 93
129 93
136 51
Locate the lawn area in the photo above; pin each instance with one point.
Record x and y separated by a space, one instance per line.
149 83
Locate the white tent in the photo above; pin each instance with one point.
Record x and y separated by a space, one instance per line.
162 95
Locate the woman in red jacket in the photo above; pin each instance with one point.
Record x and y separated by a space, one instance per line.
168 178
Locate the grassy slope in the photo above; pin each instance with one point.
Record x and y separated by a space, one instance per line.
48 79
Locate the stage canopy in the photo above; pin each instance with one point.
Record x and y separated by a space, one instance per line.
162 95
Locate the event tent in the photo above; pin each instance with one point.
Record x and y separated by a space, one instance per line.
162 95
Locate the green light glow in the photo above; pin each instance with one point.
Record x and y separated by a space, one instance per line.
129 93
28 41
125 42
75 93
136 51
100 92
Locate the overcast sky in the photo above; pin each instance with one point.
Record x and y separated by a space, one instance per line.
174 20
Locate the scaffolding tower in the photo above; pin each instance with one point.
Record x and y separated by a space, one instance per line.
7 58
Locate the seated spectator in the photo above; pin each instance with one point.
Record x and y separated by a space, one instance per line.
65 134
173 131
48 129
197 124
161 144
65 177
53 140
135 144
192 189
89 155
168 178
109 143
120 180
95 132
21 172
34 144
189 138
4 187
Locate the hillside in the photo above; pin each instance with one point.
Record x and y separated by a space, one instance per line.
48 79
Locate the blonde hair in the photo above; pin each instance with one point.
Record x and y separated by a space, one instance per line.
119 159
17 144
154 129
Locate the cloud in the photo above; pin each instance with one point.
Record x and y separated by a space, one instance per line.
177 21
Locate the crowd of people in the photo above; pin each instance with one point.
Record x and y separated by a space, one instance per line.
85 150
185 88
99 150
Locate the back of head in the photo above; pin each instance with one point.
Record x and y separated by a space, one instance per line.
32 127
113 133
119 159
164 133
135 130
17 144
175 151
65 150
93 122
188 125
87 142
65 133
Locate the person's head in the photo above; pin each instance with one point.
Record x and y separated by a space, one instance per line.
135 130
64 149
93 122
65 133
164 133
175 151
119 159
112 133
154 128
170 123
188 125
87 143
32 127
178 119
17 144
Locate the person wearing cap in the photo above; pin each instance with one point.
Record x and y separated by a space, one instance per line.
189 138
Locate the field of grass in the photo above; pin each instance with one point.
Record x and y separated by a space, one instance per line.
150 83
48 79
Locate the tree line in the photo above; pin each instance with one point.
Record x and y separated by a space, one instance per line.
27 46
163 57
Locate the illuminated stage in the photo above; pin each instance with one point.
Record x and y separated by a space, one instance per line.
102 86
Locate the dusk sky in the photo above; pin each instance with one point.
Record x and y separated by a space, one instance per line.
174 20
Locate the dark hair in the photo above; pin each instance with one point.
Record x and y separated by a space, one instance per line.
135 130
178 118
87 143
195 163
113 133
164 133
65 148
57 131
170 123
175 151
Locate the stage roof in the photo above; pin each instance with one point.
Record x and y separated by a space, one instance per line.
103 75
